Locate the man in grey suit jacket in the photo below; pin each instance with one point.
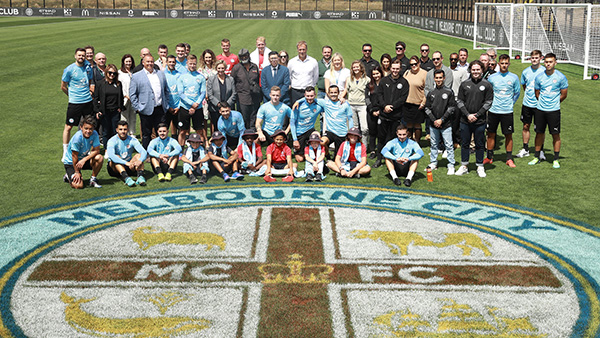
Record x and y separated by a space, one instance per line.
149 94
275 75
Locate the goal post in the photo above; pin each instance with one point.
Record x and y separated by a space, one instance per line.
570 31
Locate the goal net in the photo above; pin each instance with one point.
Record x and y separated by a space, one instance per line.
571 31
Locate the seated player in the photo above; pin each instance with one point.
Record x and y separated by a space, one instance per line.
250 154
121 161
314 154
402 156
164 154
279 158
223 158
351 158
83 152
195 159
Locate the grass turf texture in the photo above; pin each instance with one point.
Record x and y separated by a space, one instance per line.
36 50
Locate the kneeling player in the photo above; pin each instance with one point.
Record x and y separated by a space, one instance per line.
83 152
121 161
402 156
351 158
164 154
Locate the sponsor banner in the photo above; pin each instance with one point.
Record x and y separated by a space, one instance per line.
489 34
8 11
194 14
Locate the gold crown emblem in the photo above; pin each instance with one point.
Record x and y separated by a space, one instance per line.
295 271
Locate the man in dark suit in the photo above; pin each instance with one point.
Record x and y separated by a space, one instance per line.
149 94
275 75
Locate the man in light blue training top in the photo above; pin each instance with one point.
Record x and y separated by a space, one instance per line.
506 92
191 87
529 100
121 161
551 89
271 116
337 119
172 76
402 156
76 83
302 122
164 154
231 124
83 153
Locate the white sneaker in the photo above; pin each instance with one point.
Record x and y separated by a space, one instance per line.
481 172
431 166
462 170
445 154
450 170
542 156
522 153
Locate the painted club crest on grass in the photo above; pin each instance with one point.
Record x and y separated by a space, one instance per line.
342 262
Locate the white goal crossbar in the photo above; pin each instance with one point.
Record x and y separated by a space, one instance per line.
571 31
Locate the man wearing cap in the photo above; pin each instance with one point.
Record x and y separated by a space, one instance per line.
304 72
231 124
302 122
315 158
275 75
246 77
223 158
271 117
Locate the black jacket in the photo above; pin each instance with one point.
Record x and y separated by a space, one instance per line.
394 92
474 97
99 100
440 105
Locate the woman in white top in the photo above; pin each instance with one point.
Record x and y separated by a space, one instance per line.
127 114
207 68
358 89
337 75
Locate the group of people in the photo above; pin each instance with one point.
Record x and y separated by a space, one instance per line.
249 101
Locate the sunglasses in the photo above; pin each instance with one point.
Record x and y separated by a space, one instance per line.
424 50
111 73
399 48
413 64
283 56
453 59
436 59
367 50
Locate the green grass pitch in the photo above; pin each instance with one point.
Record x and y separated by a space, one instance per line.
32 108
